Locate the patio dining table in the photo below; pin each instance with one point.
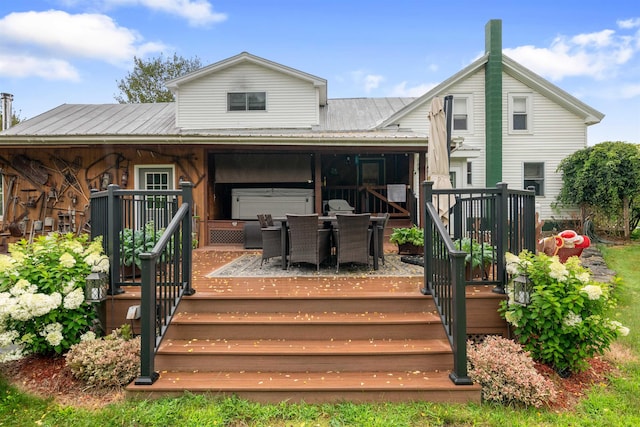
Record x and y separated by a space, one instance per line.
373 220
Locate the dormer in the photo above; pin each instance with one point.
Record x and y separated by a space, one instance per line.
248 92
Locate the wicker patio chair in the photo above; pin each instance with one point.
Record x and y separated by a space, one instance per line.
381 238
271 239
352 239
307 241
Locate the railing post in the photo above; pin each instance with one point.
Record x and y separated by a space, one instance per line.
529 216
114 227
427 194
148 319
187 237
459 328
502 221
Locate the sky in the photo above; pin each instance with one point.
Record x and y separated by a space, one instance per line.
55 52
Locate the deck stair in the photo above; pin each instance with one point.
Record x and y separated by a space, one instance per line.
319 342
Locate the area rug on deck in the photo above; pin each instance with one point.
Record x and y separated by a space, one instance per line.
248 265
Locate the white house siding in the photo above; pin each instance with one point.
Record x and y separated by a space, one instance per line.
291 102
474 86
557 133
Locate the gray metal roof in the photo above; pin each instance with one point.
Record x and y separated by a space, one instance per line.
346 118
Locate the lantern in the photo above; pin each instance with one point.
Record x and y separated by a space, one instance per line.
522 290
95 288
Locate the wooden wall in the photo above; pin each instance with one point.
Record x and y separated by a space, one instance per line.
56 181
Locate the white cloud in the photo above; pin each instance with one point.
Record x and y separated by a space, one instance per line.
197 12
22 66
597 55
55 36
629 23
401 90
368 82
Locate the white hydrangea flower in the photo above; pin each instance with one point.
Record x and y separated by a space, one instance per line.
558 271
99 263
614 325
21 287
52 333
67 260
593 292
88 336
68 287
571 320
7 338
584 277
74 299
29 306
13 354
511 318
74 246
6 263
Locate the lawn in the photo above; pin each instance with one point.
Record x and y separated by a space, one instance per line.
614 403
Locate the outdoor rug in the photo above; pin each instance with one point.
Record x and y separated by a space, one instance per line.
248 265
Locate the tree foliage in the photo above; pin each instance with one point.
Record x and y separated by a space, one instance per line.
602 178
145 84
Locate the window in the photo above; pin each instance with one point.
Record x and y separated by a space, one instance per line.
460 113
534 177
246 101
469 174
520 113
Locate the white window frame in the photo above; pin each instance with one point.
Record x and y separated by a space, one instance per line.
540 180
140 170
246 101
528 104
466 100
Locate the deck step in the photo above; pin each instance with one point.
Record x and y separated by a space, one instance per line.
290 325
303 355
314 387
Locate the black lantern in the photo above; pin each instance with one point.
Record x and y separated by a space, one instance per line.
96 285
522 290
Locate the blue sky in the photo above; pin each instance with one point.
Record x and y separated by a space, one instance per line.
74 51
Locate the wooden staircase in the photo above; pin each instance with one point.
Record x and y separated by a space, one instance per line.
319 341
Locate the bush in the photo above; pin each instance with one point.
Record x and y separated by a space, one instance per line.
42 306
106 362
507 373
566 322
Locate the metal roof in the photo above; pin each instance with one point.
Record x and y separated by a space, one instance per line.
340 118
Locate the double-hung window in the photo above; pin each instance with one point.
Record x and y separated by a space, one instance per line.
520 113
462 113
246 101
534 177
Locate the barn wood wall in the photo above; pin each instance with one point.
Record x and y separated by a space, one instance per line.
72 172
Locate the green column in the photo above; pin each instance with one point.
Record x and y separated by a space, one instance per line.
493 102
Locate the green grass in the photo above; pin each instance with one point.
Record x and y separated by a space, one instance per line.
617 404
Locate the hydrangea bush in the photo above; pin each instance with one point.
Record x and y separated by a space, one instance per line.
566 321
42 305
507 373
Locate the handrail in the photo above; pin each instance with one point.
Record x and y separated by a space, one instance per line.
444 278
164 285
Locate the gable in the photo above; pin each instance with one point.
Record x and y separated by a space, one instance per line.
291 102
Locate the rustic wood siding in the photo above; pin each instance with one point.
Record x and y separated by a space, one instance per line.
291 102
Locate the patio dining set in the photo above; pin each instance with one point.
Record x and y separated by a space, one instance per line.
317 239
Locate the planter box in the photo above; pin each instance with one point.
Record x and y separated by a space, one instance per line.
410 249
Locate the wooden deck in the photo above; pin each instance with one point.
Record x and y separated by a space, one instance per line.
312 339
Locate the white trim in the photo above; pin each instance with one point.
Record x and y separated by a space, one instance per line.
138 168
528 97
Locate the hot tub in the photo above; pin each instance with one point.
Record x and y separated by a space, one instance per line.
246 203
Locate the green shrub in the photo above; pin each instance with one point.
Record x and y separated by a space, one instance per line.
507 373
566 321
42 305
106 362
412 235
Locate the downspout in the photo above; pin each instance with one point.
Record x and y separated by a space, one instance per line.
493 102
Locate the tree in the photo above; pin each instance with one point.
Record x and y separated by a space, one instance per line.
604 179
145 84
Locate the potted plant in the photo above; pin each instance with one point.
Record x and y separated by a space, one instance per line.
479 258
410 240
135 242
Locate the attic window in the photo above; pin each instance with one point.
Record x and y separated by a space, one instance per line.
246 101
